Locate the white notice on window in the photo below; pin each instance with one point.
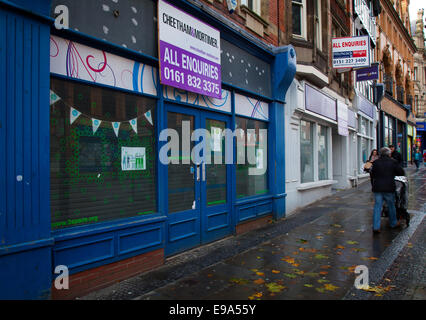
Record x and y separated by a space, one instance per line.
133 159
216 137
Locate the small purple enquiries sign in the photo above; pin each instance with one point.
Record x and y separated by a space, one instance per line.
189 52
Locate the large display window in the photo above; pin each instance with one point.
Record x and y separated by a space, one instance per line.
255 142
103 154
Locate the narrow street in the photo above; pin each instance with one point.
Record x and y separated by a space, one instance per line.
310 255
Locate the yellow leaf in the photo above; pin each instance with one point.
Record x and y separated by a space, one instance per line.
352 242
260 274
275 287
340 247
256 295
259 281
276 271
288 260
323 272
330 287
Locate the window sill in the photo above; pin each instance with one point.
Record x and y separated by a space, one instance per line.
363 175
247 10
316 184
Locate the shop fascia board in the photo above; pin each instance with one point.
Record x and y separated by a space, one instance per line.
312 74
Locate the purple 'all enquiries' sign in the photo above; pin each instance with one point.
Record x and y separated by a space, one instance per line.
189 52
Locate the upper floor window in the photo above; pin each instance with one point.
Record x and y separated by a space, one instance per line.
253 5
415 73
317 22
299 18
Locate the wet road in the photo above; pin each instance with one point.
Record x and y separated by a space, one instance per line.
315 258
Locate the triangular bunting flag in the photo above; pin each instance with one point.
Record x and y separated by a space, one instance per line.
148 116
95 124
116 127
74 114
134 124
54 97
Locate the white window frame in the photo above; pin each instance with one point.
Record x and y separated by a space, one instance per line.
318 24
315 144
256 6
303 26
369 136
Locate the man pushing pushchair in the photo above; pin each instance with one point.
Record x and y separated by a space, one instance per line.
383 173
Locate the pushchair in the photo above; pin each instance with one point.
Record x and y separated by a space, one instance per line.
401 200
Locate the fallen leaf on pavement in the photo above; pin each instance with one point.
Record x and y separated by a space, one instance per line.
257 295
260 274
330 287
325 267
239 281
320 256
259 281
312 274
303 240
323 272
276 271
275 287
290 275
340 247
322 281
308 285
352 242
336 225
288 260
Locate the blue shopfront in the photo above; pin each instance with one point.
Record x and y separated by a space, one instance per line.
82 116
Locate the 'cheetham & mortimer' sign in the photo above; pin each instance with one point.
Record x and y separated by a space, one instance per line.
351 52
189 52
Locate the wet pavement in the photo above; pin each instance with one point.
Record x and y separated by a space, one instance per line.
310 255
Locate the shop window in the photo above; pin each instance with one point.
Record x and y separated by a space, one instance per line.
251 184
322 153
307 151
103 154
299 18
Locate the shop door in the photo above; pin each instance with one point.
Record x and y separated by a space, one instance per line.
198 186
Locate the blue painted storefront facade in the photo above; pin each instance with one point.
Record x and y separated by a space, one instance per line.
29 249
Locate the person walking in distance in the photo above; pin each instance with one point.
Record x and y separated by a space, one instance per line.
395 154
383 174
417 158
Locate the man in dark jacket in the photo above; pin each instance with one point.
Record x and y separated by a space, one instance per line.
383 174
395 155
